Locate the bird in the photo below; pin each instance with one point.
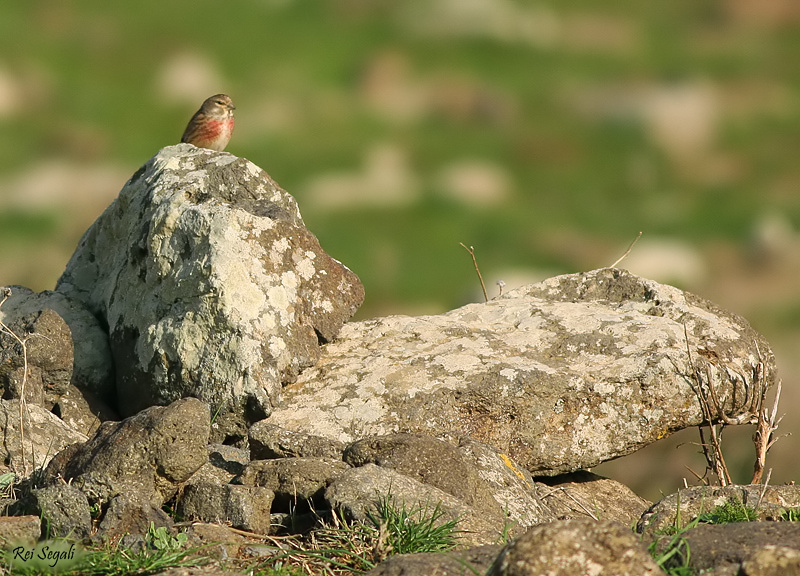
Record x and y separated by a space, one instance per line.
212 125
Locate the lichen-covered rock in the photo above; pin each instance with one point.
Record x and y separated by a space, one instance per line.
684 506
209 283
269 441
44 433
429 460
772 560
560 375
725 548
512 486
358 492
581 546
584 494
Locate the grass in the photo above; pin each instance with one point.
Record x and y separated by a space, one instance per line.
344 547
336 548
674 557
160 552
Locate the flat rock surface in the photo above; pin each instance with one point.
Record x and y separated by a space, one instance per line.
560 375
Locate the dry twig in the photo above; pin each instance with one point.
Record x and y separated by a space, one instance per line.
764 436
471 251
4 329
628 251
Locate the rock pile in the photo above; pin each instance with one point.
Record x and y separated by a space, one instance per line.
201 309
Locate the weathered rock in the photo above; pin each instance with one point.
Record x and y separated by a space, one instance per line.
216 540
45 435
232 460
771 561
148 455
456 563
64 343
358 491
429 461
129 514
224 464
583 494
19 530
270 441
769 503
243 507
296 482
82 411
209 283
511 486
580 546
63 509
560 375
725 547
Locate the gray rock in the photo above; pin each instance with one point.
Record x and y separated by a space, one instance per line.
772 561
63 509
725 547
511 485
217 541
584 494
269 441
770 502
82 410
296 482
358 491
45 435
428 460
148 455
129 514
243 507
65 343
456 563
559 376
224 464
580 546
19 531
229 458
209 283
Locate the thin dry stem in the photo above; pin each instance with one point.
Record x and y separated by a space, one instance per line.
764 436
471 251
22 405
628 251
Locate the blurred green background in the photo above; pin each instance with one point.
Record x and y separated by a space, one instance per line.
544 134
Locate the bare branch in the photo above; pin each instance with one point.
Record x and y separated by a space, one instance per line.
628 251
471 251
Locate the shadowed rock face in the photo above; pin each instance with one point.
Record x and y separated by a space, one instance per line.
560 375
209 283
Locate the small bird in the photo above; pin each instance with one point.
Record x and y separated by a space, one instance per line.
211 126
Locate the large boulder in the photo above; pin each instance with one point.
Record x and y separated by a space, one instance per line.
209 283
559 376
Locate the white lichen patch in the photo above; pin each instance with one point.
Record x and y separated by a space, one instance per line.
305 267
457 362
508 373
